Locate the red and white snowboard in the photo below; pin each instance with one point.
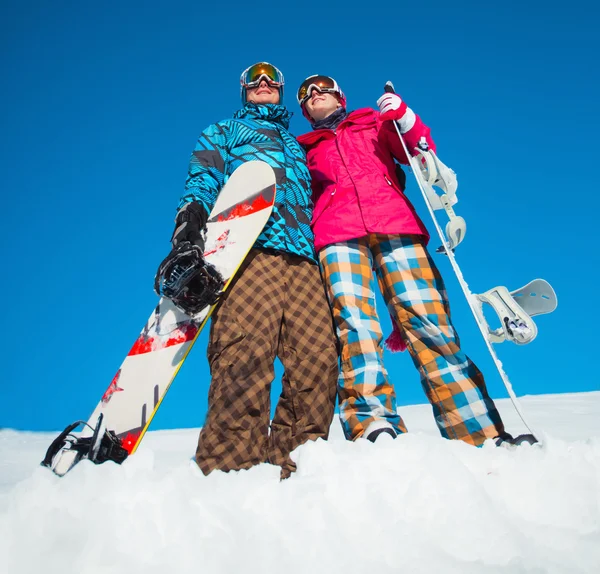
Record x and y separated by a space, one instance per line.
131 400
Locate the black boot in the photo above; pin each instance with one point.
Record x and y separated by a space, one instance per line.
506 440
377 428
373 436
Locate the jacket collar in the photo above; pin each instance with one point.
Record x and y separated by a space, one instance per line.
269 112
362 116
332 121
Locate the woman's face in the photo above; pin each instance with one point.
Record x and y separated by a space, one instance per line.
263 94
321 104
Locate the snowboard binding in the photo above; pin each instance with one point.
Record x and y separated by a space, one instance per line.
188 280
102 446
434 173
515 310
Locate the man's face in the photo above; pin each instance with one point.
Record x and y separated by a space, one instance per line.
263 94
321 104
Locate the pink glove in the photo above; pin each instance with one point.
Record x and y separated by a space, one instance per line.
391 107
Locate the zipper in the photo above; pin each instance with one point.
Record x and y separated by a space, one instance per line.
287 215
353 182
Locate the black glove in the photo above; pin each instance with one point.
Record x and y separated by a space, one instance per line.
400 176
190 225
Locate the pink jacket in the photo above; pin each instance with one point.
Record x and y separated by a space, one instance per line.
355 190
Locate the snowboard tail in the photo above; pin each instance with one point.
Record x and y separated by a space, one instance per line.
120 420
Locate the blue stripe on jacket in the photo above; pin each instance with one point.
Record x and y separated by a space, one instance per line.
257 132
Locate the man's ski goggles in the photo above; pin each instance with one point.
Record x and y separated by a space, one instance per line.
319 83
254 75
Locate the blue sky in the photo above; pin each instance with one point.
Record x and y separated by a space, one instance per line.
102 104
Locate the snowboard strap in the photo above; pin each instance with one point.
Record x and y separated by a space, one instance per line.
99 448
435 173
59 442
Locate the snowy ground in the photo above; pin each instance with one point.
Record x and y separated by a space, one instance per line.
417 504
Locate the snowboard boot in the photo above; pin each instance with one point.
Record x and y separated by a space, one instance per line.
507 441
378 428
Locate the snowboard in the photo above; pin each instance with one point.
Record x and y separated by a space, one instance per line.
125 410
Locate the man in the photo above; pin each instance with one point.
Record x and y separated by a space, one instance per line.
275 307
363 222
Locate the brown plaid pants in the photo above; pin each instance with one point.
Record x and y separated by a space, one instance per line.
276 306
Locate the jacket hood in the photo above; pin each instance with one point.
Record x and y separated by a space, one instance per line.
270 112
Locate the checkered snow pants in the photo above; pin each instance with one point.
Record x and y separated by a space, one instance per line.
414 292
276 306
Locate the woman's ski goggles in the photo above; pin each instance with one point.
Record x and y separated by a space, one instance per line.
319 83
254 75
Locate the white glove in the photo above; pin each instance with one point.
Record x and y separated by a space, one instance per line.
388 103
393 108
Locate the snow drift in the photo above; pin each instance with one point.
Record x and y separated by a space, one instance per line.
416 504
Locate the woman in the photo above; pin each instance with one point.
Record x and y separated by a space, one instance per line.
362 223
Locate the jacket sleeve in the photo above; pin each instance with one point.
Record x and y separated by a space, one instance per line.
206 173
412 129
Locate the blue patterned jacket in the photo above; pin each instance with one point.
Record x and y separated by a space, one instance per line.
258 132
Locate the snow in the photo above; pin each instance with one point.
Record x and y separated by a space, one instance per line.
416 504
